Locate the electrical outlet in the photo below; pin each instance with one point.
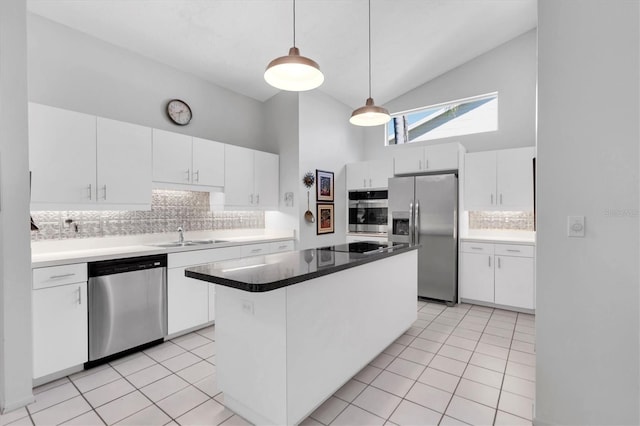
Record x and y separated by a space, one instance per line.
247 307
575 226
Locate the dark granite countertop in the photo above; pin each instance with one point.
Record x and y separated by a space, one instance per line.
273 271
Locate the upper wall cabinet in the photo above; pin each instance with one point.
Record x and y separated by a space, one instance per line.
251 179
499 180
426 159
185 160
369 174
83 162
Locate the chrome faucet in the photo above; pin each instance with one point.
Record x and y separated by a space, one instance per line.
180 235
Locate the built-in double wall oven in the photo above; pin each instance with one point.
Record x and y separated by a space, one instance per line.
368 211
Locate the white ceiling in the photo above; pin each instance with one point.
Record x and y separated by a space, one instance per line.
230 42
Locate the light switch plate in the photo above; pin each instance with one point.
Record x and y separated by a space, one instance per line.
575 226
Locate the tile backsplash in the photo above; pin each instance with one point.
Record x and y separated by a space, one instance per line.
516 221
169 210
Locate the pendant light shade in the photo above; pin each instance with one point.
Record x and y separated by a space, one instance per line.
294 72
369 114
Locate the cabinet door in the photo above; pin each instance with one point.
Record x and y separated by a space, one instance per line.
358 175
62 156
441 157
266 180
208 162
476 277
171 157
212 302
59 328
514 281
515 179
408 160
124 163
379 173
188 301
238 177
480 181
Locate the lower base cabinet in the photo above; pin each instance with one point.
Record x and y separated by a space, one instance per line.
59 313
191 303
500 274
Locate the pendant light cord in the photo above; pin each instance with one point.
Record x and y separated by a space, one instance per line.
369 48
294 23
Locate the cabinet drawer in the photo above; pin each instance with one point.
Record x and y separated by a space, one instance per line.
256 249
516 250
280 246
198 257
470 247
59 275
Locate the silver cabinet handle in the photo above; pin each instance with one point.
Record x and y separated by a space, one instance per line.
419 164
500 198
364 183
57 277
370 183
196 176
188 172
251 198
257 198
513 251
476 248
489 261
498 262
282 247
491 199
104 188
258 250
90 191
79 295
427 164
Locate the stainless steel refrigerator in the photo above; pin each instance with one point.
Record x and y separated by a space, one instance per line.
424 210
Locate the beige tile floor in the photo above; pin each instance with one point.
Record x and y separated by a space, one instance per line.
461 365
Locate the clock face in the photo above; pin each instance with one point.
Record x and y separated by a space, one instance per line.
179 112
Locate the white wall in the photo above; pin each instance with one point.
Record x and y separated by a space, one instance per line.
327 142
72 70
509 69
15 251
587 323
281 130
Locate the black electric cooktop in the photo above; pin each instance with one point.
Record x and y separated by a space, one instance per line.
362 247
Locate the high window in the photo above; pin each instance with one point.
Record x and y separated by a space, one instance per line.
478 114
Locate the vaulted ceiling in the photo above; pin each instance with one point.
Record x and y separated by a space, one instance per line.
230 42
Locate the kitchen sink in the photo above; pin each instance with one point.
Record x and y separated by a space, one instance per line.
188 243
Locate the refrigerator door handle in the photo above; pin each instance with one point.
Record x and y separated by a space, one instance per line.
411 224
416 223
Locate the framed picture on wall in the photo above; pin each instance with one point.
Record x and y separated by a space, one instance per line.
324 186
325 218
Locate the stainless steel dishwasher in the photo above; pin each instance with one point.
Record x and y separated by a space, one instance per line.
127 305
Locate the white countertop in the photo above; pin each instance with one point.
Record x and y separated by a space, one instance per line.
63 252
511 237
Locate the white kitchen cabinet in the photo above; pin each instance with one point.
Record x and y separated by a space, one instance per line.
79 161
369 174
497 274
281 246
251 178
190 302
59 313
499 180
426 159
124 163
62 157
185 160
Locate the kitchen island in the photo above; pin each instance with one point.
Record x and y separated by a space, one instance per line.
292 328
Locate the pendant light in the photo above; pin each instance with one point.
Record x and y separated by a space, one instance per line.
294 72
370 114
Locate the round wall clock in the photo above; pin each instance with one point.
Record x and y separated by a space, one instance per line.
179 112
